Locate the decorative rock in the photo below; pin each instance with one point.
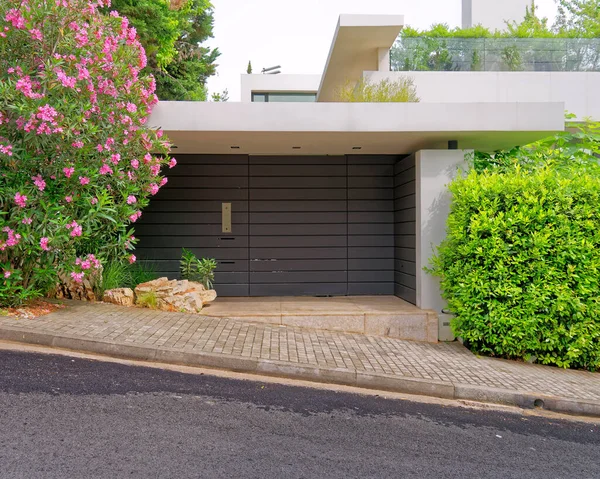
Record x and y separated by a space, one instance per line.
69 289
173 295
120 296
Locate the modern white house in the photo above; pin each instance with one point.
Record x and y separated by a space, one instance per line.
296 194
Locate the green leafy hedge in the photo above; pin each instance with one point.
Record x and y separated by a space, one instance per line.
520 267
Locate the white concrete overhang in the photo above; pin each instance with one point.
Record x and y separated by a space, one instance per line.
341 128
354 49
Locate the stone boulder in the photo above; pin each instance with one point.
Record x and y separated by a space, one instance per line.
84 291
175 295
120 296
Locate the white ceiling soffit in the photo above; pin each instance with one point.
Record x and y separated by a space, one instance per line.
338 128
355 47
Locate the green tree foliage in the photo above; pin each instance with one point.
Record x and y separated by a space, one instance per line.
399 91
249 68
172 32
520 267
578 18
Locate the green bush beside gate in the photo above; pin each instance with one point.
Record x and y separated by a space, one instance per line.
520 267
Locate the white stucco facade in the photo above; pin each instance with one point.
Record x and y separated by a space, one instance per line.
278 84
434 170
492 14
578 90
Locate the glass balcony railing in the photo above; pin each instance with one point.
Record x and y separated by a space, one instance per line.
496 54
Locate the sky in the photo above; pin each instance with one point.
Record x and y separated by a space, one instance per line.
297 35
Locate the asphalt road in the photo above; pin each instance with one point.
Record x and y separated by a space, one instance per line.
62 417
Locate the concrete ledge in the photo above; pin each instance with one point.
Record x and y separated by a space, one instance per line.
403 384
408 326
342 322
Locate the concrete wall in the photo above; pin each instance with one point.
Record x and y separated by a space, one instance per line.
434 170
278 83
492 14
578 90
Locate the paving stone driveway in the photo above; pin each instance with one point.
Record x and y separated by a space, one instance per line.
443 362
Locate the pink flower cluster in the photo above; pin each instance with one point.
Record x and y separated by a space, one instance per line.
20 200
90 261
75 228
44 243
6 149
13 238
39 182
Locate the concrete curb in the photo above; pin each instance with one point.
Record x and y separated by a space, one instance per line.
446 390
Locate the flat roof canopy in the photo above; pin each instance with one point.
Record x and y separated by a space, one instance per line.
354 48
340 128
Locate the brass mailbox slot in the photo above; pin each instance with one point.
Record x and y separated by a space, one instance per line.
226 217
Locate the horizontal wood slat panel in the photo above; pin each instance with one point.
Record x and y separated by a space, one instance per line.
209 170
292 194
268 277
223 241
298 229
312 217
175 206
297 160
174 253
297 241
298 206
299 289
150 218
297 170
297 253
405 229
174 230
189 181
301 225
299 265
199 194
298 182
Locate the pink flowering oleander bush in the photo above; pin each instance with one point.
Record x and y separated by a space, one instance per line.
77 160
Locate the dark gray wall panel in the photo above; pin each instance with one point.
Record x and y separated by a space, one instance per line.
283 206
304 223
371 224
313 225
297 229
300 218
360 289
186 213
299 289
159 205
405 229
299 265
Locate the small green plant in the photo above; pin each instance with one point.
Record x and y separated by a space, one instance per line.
386 91
200 270
117 274
148 300
12 291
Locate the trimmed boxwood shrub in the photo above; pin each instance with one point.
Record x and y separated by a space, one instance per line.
520 267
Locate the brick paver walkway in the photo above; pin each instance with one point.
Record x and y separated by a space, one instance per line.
448 363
